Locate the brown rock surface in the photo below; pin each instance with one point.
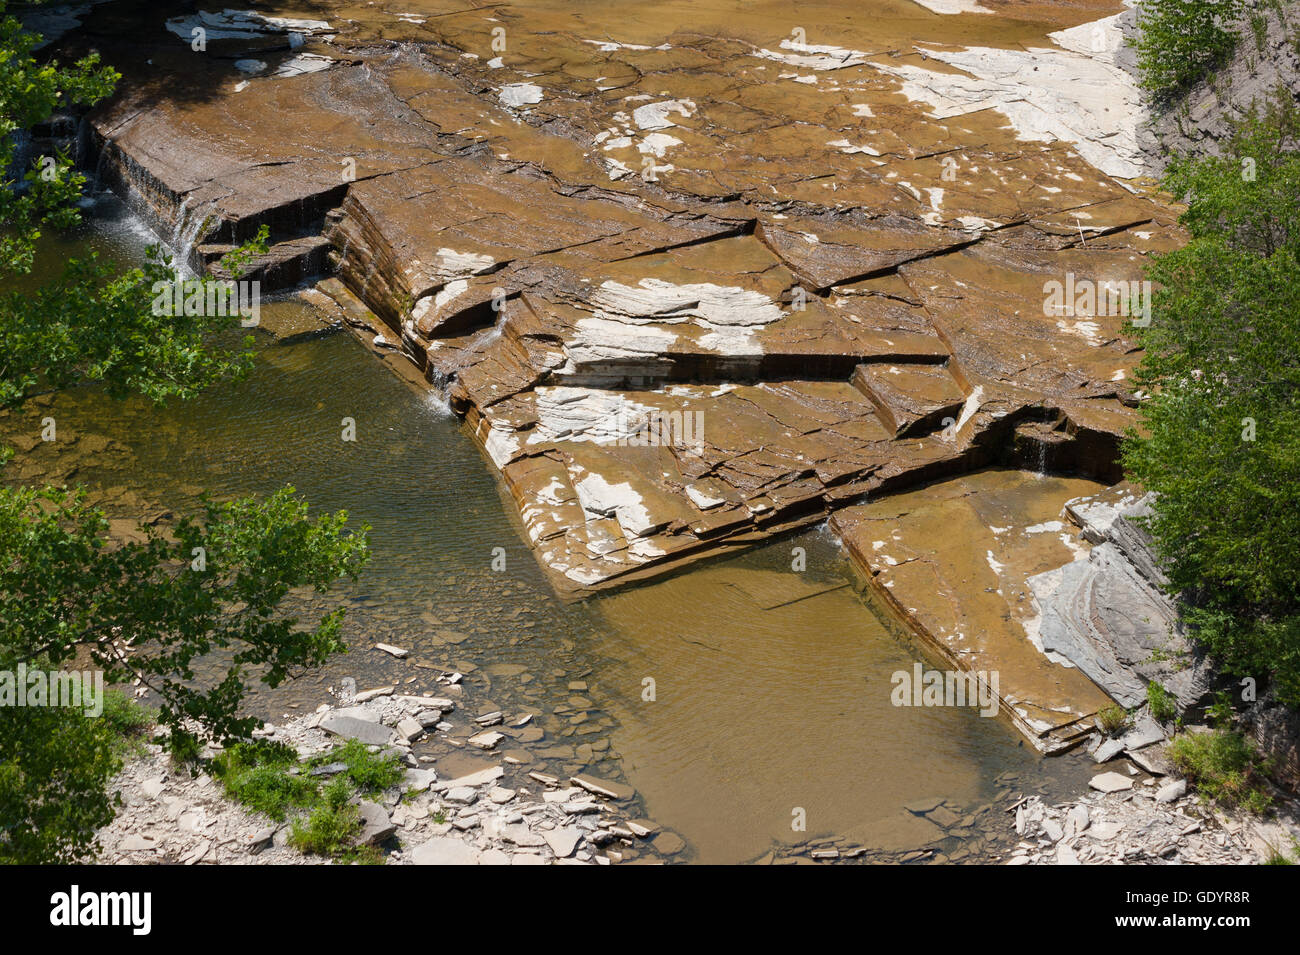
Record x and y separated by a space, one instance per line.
693 273
952 559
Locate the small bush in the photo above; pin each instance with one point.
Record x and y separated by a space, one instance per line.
1259 25
1220 713
257 776
332 826
1223 766
369 772
268 777
1163 704
128 721
1112 720
1180 41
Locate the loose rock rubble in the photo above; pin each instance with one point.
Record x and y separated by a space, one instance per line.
497 815
1145 823
169 816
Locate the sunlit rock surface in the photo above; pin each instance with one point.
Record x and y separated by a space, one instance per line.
952 560
693 272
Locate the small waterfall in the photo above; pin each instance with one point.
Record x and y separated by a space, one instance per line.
22 157
178 226
437 402
85 143
436 397
1040 467
185 233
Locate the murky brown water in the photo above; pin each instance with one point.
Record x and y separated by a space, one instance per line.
771 685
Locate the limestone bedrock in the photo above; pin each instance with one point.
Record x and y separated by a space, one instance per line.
694 273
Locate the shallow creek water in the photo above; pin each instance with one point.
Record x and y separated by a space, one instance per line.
771 686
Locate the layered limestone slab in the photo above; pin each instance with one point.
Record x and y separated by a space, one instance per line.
1107 612
688 286
952 559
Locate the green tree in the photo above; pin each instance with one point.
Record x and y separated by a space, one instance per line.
1222 425
1248 195
30 93
1180 41
216 583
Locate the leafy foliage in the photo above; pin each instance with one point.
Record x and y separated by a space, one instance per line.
30 93
1180 41
268 778
369 772
54 768
96 325
129 722
333 825
1113 719
256 775
145 610
1248 194
1223 766
1222 425
1162 703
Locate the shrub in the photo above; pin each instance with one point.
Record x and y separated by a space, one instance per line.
1180 41
128 721
1221 441
1163 704
1113 719
257 776
369 772
332 826
1224 767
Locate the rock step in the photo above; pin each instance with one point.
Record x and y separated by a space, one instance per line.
284 265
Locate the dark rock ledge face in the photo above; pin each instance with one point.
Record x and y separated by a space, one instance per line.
793 275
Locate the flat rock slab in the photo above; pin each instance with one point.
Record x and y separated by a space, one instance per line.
1111 622
472 780
1154 759
562 841
521 835
603 787
444 850
486 740
895 833
375 824
365 731
420 779
1172 791
1146 732
953 559
1111 783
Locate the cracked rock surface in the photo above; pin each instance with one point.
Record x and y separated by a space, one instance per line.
692 274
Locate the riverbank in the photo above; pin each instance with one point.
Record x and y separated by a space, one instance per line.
499 813
1147 822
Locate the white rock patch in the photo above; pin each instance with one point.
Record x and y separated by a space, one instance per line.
520 94
1072 94
812 56
953 7
655 115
